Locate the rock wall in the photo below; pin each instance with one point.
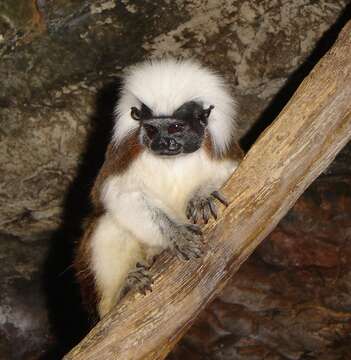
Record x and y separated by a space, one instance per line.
60 64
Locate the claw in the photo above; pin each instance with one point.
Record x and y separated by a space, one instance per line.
197 253
194 214
195 229
220 197
148 287
213 209
181 254
206 212
189 211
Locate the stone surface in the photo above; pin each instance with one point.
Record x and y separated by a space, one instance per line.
60 63
24 321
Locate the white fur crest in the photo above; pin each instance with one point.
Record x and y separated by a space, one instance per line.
165 85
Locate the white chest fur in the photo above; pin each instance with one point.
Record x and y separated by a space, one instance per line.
172 181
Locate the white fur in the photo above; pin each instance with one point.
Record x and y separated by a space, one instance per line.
114 252
168 183
165 85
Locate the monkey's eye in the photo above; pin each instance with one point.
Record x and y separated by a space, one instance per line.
151 131
175 128
135 113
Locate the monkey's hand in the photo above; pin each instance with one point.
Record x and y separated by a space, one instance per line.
186 241
201 208
140 278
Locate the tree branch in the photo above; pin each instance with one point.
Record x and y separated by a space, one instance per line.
288 156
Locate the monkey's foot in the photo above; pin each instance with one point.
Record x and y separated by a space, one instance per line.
140 278
186 242
201 208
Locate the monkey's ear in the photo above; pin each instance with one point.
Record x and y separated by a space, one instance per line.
143 114
135 113
206 112
205 115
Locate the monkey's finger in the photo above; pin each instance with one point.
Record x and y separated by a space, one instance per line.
141 270
195 252
220 197
143 291
145 275
132 279
195 229
194 246
181 254
148 287
142 264
194 214
189 211
206 213
213 209
140 276
145 282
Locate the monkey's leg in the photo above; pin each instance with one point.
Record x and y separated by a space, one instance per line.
115 252
201 208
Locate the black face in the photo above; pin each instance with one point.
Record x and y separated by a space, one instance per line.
181 132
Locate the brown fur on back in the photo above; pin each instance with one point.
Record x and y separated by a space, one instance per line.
117 160
83 270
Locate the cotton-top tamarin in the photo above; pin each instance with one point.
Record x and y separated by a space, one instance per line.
174 144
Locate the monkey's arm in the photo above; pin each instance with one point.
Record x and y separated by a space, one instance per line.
149 221
202 205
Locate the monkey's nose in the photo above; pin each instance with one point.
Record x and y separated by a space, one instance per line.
166 146
172 144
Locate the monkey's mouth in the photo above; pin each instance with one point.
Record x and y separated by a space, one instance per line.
167 147
168 152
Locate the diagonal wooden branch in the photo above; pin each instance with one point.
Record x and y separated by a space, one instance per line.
300 144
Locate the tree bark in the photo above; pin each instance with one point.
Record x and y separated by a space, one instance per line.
289 155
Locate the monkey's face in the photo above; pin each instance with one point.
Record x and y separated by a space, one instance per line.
170 135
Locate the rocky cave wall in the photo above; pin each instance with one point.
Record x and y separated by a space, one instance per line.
60 67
